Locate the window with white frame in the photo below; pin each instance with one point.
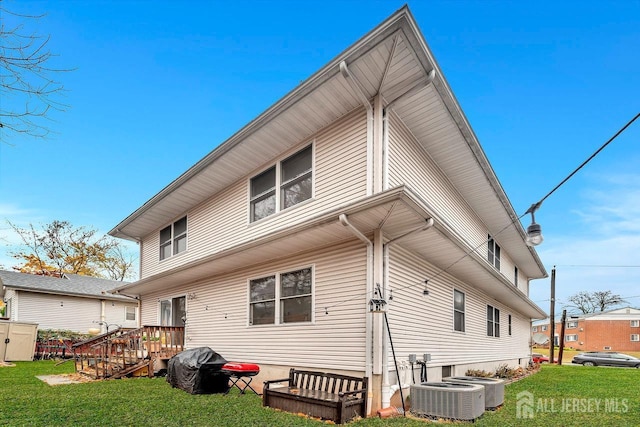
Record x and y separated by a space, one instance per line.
535 329
544 328
572 325
570 338
458 311
281 298
293 177
635 337
130 313
493 321
173 238
635 323
493 253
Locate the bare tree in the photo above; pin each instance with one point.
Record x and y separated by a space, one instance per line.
28 83
592 302
58 248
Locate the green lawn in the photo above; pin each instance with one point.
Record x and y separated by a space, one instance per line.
559 395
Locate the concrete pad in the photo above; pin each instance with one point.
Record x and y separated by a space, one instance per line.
63 379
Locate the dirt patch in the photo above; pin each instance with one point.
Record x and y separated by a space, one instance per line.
6 364
64 379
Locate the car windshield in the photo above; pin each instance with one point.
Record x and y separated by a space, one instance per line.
623 356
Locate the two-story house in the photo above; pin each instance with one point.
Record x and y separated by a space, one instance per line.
366 176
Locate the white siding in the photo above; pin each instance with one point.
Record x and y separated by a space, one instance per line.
115 313
218 314
425 324
11 297
223 221
58 312
410 165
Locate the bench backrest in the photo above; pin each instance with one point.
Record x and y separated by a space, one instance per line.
331 383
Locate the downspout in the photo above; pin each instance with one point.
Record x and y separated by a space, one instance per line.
368 326
386 387
344 70
103 317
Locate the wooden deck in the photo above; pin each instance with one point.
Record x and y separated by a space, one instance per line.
126 352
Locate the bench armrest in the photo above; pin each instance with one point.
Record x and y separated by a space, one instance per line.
267 383
346 393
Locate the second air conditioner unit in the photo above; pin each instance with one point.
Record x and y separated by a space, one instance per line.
446 400
493 388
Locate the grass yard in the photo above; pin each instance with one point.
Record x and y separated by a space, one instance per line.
557 395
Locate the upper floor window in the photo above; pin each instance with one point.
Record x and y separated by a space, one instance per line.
493 254
535 329
173 238
493 321
458 311
544 328
572 324
293 180
635 323
286 297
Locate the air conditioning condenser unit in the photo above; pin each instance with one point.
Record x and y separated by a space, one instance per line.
447 400
493 388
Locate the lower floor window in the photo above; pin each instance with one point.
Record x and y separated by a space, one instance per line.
571 338
635 337
281 298
130 313
493 321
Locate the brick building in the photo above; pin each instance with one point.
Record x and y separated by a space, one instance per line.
615 330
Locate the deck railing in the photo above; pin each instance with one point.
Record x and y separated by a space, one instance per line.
123 351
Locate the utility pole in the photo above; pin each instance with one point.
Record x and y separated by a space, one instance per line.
562 323
552 314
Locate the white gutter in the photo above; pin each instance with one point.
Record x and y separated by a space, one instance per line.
368 326
386 387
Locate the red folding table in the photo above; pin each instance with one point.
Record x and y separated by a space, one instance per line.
243 372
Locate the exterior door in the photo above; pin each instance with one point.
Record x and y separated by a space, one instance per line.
173 312
179 311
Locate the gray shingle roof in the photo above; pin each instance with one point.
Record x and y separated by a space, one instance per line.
70 284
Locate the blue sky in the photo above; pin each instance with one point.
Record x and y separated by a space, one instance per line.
158 85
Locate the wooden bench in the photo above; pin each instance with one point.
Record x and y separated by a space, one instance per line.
335 397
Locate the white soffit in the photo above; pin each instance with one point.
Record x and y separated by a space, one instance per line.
391 59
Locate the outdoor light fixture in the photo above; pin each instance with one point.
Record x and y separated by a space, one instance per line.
534 231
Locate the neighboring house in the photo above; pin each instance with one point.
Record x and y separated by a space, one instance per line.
71 302
615 330
366 175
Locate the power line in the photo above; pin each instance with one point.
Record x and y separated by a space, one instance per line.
589 159
598 266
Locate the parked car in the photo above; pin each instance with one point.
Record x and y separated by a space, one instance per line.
597 358
541 358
